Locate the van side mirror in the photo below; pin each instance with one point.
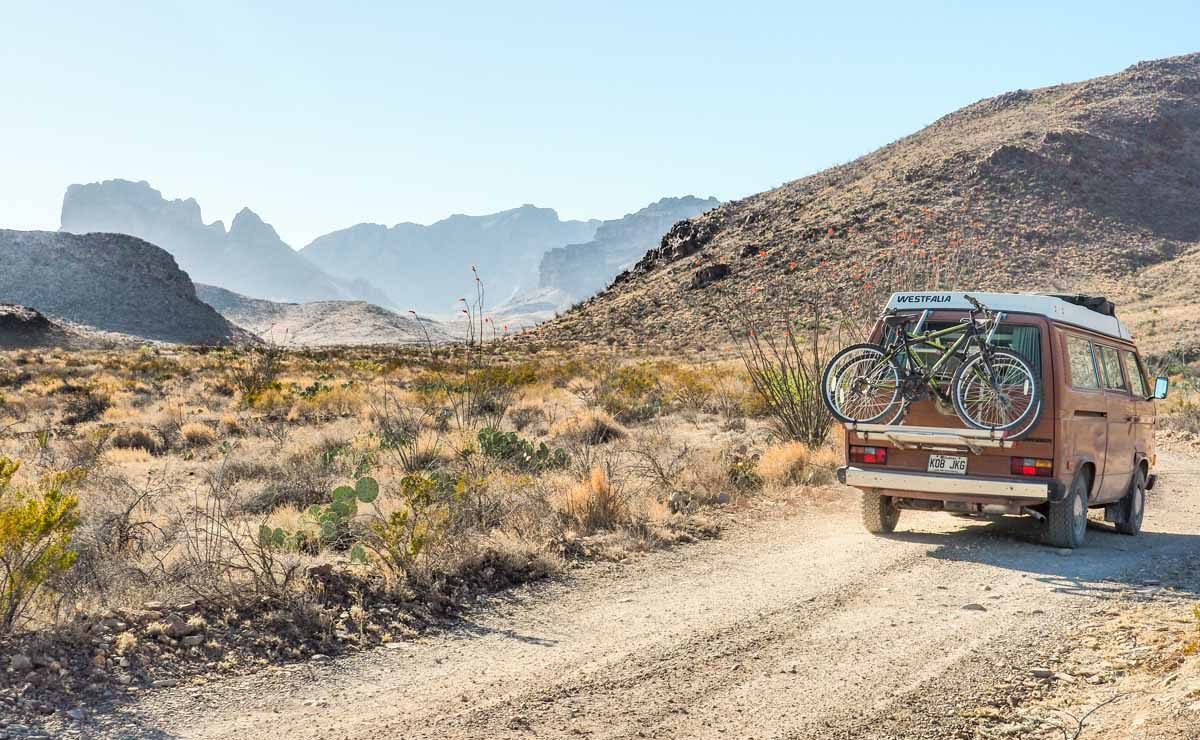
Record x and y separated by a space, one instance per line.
1160 387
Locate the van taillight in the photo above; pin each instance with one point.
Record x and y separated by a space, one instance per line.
868 455
1034 466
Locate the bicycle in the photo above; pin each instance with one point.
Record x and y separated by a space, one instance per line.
993 388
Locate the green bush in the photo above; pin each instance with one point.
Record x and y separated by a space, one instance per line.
630 393
35 538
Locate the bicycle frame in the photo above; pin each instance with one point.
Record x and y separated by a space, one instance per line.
967 331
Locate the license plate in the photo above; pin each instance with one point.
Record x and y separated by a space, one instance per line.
947 464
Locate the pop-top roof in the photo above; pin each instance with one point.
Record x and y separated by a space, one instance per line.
1049 306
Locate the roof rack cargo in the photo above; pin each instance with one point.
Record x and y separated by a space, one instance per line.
1097 303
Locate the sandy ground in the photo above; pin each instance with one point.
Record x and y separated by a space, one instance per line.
797 625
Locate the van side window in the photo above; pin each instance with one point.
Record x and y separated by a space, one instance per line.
1083 367
1137 381
1111 364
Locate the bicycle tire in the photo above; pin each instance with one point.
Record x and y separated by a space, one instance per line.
833 372
1015 427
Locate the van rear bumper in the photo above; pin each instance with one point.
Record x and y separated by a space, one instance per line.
956 486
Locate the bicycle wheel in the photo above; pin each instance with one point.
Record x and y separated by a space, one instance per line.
861 384
1005 396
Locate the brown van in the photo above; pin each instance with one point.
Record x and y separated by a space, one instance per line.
1092 446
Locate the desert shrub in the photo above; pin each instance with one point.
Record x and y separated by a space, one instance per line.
785 371
221 555
692 388
196 434
84 405
784 463
508 447
595 503
631 393
305 477
405 541
410 436
591 428
1184 416
35 538
138 438
257 372
326 402
524 415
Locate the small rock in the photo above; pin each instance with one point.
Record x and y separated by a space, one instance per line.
153 606
1041 672
193 640
76 714
319 657
974 607
165 683
20 663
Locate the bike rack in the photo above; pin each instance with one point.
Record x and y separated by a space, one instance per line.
905 437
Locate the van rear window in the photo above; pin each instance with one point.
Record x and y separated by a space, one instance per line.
1024 339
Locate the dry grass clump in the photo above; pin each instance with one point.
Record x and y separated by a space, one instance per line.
784 463
232 425
793 463
196 434
139 438
589 428
594 503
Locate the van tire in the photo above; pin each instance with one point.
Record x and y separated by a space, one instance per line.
1066 520
879 514
1133 506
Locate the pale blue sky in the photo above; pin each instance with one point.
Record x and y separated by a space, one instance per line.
321 115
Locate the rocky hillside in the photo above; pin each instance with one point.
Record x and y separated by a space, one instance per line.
429 267
1082 185
582 270
111 282
21 326
249 258
321 323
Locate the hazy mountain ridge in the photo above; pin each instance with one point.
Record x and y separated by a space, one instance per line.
1078 185
112 282
580 270
429 267
321 323
248 258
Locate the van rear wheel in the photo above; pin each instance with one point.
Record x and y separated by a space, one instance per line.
1133 506
1066 521
879 513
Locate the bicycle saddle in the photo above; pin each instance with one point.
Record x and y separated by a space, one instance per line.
899 319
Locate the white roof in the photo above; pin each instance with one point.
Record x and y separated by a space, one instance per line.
1035 303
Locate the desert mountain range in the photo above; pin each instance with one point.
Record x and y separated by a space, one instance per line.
406 266
1091 186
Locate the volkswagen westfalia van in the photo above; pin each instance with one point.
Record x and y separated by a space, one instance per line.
1092 446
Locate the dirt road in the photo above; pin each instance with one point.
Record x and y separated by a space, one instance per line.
798 626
